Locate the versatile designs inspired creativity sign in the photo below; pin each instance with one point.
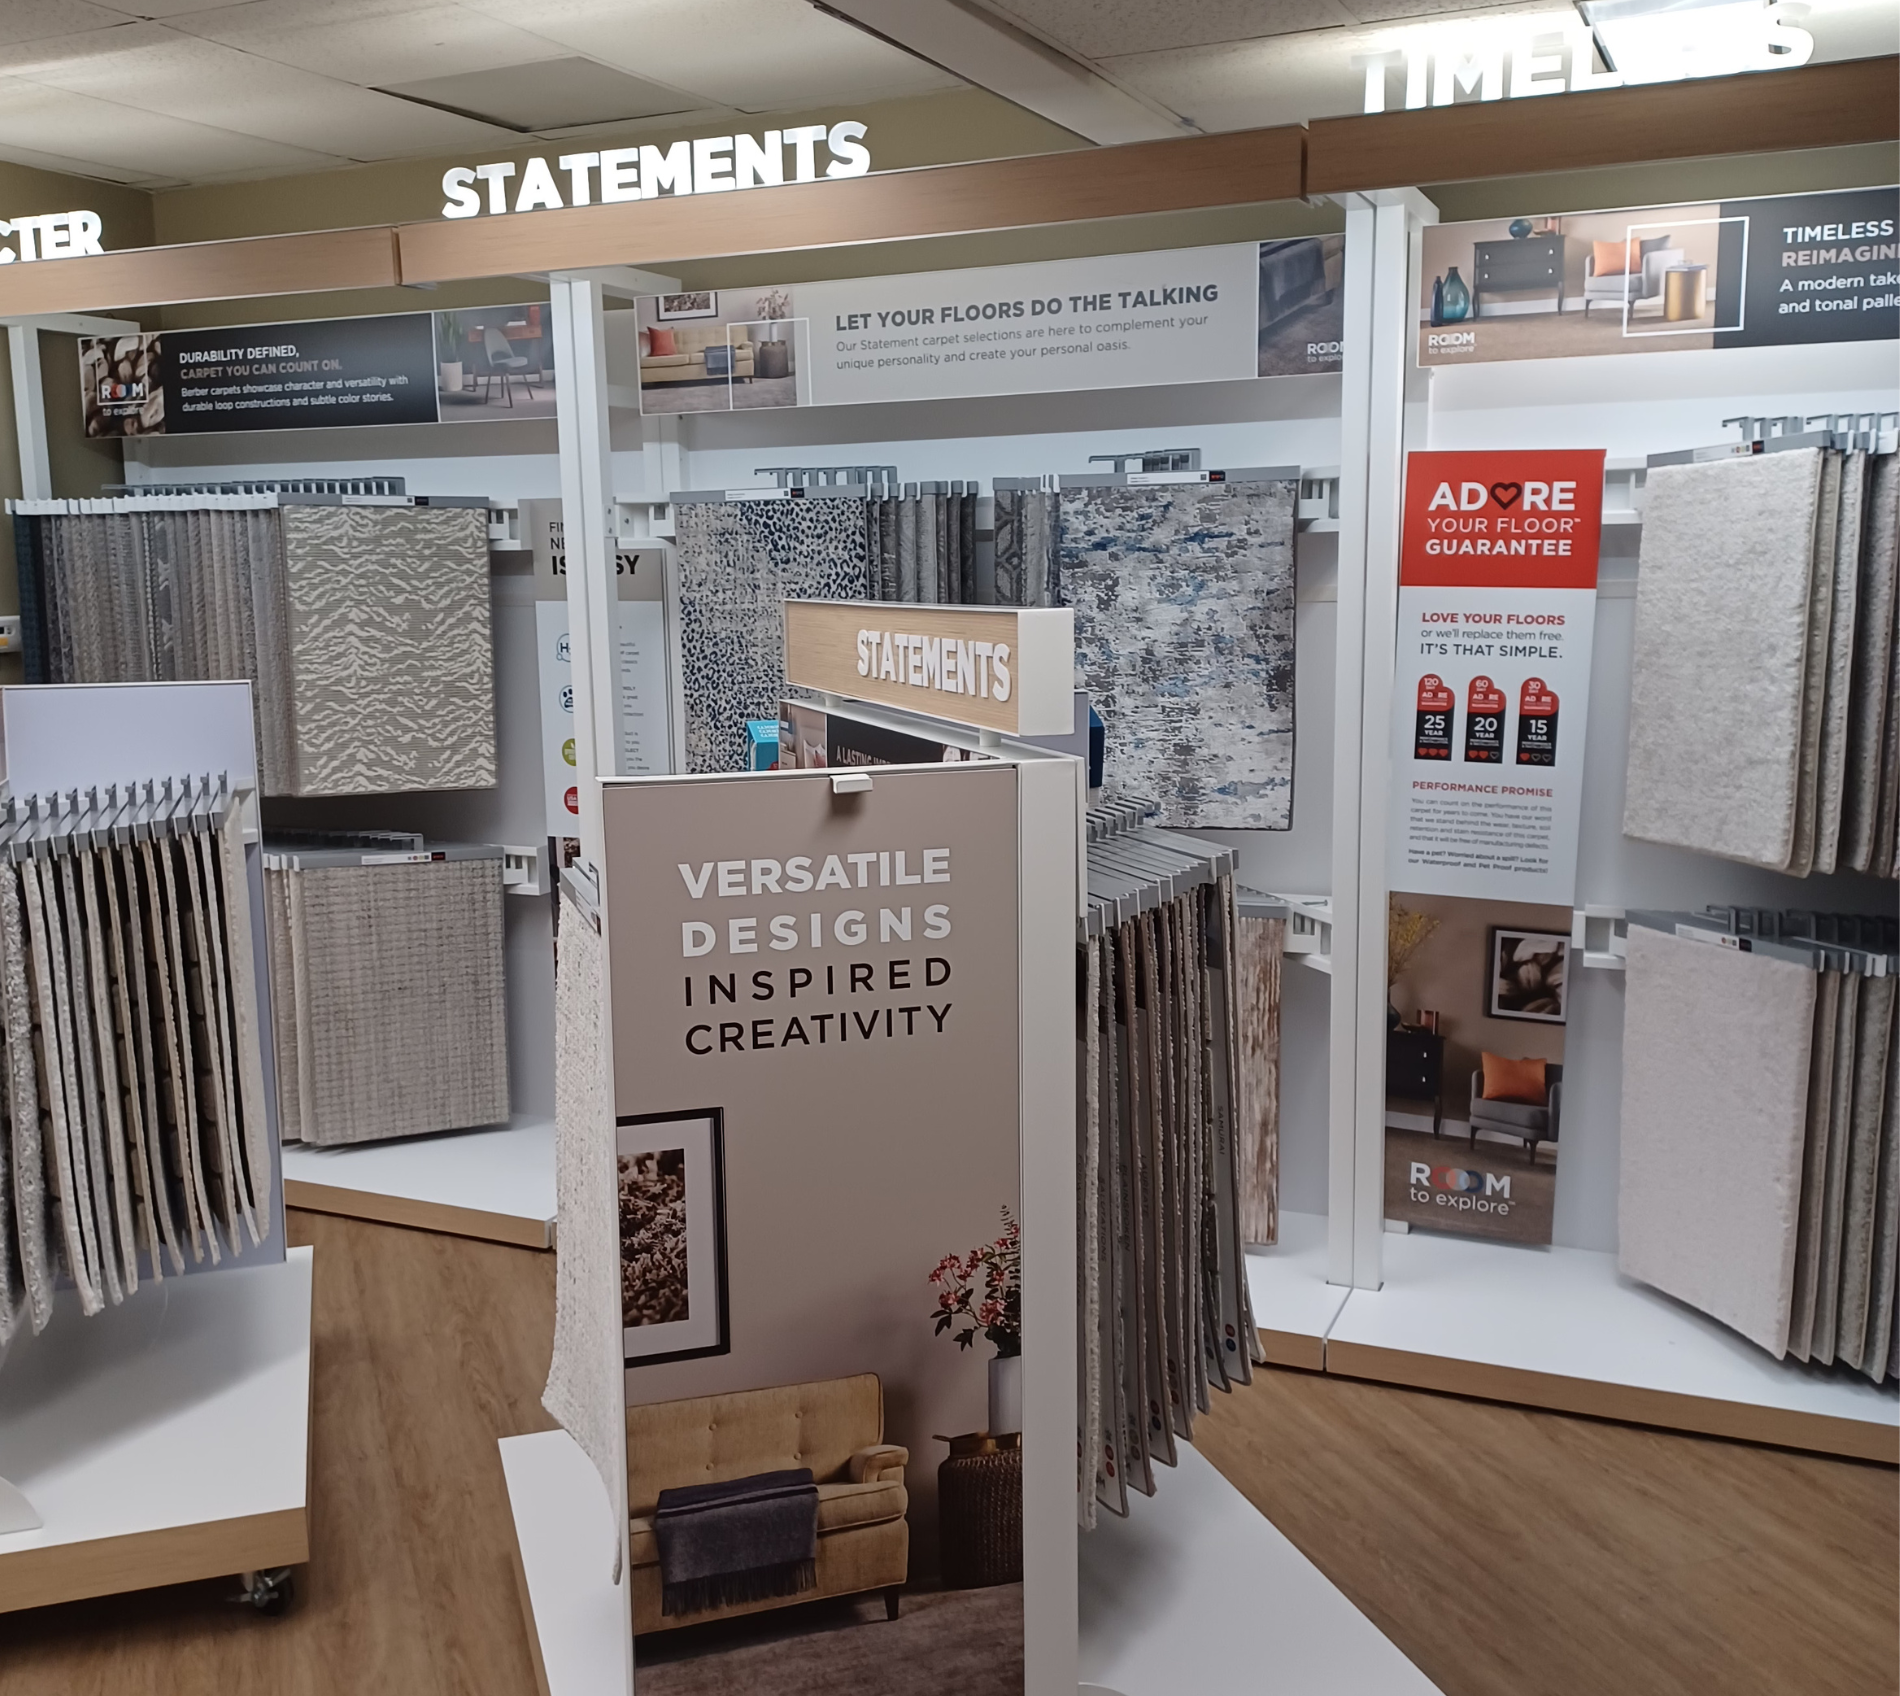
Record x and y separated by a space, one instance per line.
1497 611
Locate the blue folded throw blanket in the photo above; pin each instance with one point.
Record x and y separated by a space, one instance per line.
746 1540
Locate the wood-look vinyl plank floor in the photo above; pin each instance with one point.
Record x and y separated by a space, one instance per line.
427 1348
1507 1552
1510 1552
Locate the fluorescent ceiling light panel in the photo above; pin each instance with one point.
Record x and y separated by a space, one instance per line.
550 95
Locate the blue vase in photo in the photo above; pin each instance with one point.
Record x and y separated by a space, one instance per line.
1457 297
1520 228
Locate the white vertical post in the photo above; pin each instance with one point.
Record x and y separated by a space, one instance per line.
580 404
1379 326
29 412
1048 800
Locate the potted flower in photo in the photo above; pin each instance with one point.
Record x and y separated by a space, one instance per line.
982 1291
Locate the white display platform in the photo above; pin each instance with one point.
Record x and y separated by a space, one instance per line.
578 1626
1197 1591
1293 1305
161 1441
1560 1328
496 1183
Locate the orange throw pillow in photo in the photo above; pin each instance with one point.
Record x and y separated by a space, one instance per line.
1515 1080
1611 258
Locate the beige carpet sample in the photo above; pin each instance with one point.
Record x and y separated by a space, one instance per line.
1831 790
1722 638
1258 952
400 1013
1827 1282
1807 1256
1715 1094
585 1389
1873 659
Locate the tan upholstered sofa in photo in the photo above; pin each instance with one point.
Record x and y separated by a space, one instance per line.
687 364
835 1427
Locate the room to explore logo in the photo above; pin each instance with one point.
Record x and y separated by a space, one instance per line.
1460 1189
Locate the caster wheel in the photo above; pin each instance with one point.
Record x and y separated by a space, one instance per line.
267 1593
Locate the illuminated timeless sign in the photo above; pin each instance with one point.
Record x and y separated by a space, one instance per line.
1517 58
708 165
50 235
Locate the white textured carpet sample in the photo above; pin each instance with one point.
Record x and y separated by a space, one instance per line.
1721 639
391 659
1715 1097
1878 1361
586 1389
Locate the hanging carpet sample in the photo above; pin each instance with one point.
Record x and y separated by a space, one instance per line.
1025 531
1260 944
391 656
1814 691
739 561
1863 1170
1873 659
585 1390
393 977
1716 1047
1807 1262
1183 598
1843 618
1723 603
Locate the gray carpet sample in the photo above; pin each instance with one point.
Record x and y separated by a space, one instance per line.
1721 638
1260 943
1863 1168
1183 598
1873 659
1878 1360
391 657
1715 1093
1827 1287
399 1004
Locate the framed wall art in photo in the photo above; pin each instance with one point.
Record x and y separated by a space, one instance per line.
1527 976
701 303
671 1187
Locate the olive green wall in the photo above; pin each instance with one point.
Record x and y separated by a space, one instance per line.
929 129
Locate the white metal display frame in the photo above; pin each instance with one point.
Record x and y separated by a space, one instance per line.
1606 1347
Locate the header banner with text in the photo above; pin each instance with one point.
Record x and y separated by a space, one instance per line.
1187 315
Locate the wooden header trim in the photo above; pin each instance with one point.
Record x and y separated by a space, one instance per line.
934 200
209 270
1837 105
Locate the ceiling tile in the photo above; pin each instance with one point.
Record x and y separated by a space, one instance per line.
754 55
102 133
373 43
31 20
1101 29
552 94
155 69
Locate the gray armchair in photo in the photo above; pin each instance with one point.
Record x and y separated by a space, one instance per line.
505 363
1518 1119
1645 283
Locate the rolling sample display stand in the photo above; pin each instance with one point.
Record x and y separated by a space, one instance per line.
167 1438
